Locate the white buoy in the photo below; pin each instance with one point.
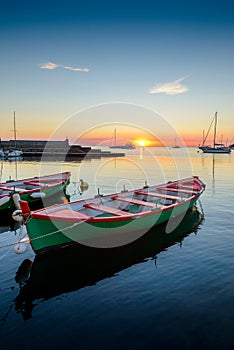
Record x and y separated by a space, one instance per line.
17 215
4 200
20 248
16 199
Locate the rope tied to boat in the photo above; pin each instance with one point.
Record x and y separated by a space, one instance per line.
23 240
58 231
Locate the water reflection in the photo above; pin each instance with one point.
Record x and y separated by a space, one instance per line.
8 225
213 163
70 269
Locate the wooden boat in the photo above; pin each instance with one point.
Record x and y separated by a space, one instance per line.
175 145
31 189
110 220
217 147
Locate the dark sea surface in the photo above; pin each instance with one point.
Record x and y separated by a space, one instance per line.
163 291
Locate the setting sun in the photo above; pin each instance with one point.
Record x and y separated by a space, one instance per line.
143 143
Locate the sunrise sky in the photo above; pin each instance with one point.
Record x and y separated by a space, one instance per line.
172 59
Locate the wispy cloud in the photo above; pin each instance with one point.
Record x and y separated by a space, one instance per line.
77 69
49 65
52 66
170 88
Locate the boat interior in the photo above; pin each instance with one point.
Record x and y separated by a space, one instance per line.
17 186
126 203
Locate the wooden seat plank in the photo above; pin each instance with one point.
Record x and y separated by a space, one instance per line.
159 195
105 209
134 201
180 190
64 214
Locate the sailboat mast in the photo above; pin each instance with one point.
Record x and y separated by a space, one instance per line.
115 137
215 125
14 130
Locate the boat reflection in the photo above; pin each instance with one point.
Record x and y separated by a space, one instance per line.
8 224
75 267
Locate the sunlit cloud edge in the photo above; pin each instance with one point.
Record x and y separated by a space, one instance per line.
170 88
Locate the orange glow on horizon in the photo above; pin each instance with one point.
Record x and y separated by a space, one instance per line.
103 134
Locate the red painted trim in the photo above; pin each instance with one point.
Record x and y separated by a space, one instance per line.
64 176
5 195
50 216
43 213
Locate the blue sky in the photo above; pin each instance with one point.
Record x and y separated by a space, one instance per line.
174 57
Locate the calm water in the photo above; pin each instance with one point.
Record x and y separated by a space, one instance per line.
164 291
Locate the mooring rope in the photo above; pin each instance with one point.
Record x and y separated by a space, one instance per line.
58 231
41 236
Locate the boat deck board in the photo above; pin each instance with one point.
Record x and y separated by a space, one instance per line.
63 214
185 187
134 201
105 209
178 190
159 195
12 189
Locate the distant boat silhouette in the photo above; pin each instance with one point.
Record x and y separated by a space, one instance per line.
175 146
217 147
126 146
15 152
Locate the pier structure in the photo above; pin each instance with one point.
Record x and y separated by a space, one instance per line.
56 149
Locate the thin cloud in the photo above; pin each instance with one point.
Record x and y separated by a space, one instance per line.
170 88
49 65
77 69
52 66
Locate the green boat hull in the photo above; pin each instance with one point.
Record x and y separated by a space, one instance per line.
47 234
49 192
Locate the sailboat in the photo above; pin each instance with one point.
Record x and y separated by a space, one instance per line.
126 146
15 152
175 145
217 147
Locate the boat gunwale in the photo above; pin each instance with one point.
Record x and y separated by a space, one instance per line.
50 213
25 191
127 217
9 188
35 178
86 200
